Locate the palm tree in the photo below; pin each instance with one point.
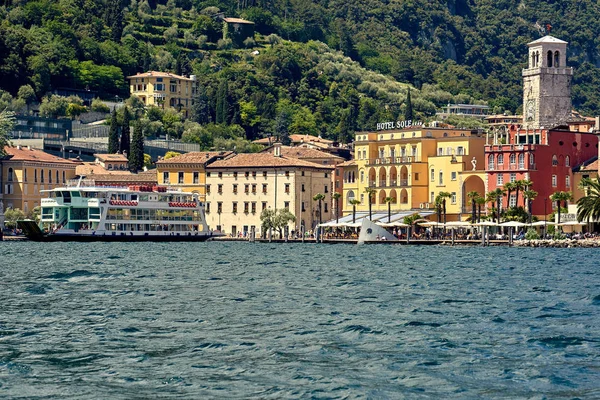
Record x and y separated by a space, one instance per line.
529 195
389 201
370 193
521 185
558 197
509 187
490 197
480 202
319 197
336 197
473 196
354 203
440 200
500 193
588 207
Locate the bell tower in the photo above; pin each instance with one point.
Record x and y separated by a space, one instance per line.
546 84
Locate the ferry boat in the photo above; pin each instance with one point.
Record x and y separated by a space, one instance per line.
82 211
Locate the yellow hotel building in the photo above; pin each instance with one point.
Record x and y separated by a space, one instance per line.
25 172
163 89
413 166
188 171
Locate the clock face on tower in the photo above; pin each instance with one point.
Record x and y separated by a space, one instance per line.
530 110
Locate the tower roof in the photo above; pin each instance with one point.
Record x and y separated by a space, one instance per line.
547 39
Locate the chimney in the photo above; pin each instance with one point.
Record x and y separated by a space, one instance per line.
277 149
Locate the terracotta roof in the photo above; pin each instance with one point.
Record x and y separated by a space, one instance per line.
237 21
142 177
296 139
26 154
195 157
348 163
157 74
302 152
89 168
111 157
590 167
267 160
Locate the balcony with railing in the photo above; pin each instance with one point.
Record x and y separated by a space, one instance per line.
393 160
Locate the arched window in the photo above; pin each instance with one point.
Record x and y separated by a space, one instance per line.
57 180
432 175
362 176
441 181
64 180
491 161
350 196
512 159
521 160
567 161
42 176
500 159
531 159
537 58
532 65
35 175
49 176
556 59
554 160
549 59
10 175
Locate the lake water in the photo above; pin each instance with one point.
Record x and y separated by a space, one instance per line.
283 321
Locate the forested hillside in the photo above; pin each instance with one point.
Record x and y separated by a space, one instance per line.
328 66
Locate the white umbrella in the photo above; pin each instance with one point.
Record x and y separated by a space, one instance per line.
538 223
457 223
513 224
486 223
431 223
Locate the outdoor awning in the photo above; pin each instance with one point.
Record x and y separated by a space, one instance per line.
572 223
513 224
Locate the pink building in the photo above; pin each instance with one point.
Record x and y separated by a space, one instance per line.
546 157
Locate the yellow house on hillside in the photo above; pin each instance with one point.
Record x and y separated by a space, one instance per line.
412 166
188 171
164 89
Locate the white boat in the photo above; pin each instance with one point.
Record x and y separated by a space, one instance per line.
82 211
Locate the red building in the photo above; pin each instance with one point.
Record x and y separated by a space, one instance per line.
546 157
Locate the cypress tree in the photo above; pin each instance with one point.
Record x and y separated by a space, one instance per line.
125 136
408 112
136 156
113 133
222 108
201 108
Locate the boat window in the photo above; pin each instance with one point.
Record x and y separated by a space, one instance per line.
75 194
134 197
66 196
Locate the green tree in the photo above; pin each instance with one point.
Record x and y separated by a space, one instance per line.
509 187
559 197
7 123
354 203
389 201
319 197
519 186
11 216
371 197
147 161
125 143
282 127
200 111
171 154
588 207
136 156
113 134
440 200
480 203
27 95
54 106
222 107
473 198
99 106
336 198
529 195
283 218
408 111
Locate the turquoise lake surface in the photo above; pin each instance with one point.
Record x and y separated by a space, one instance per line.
296 321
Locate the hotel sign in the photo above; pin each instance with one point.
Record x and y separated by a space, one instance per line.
382 126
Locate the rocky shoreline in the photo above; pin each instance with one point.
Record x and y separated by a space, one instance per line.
564 243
